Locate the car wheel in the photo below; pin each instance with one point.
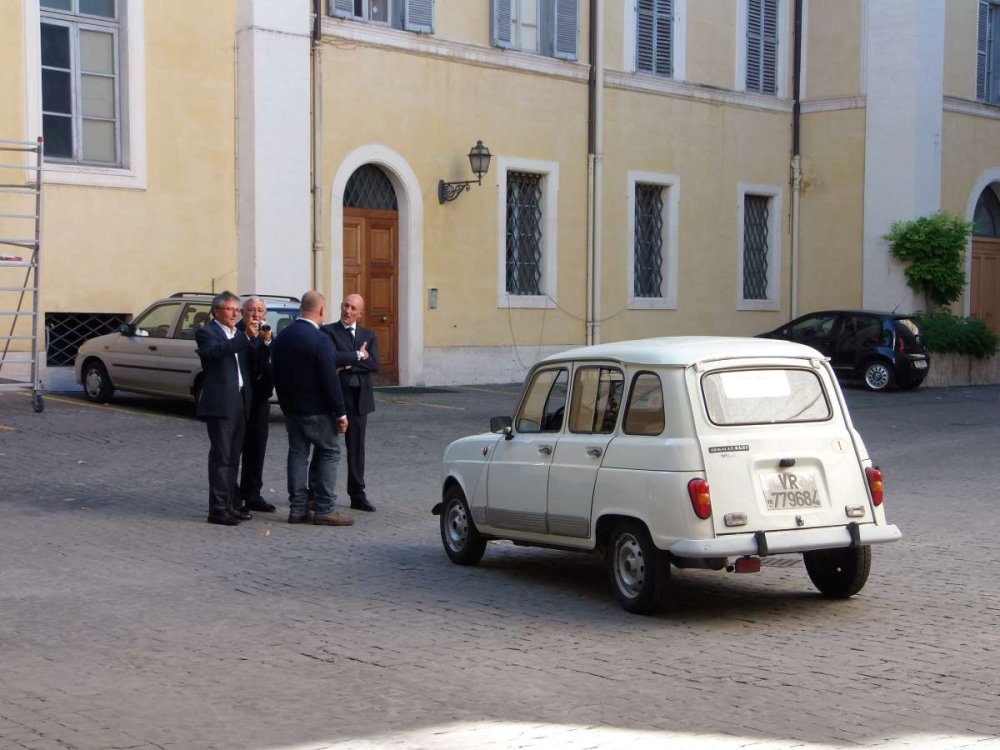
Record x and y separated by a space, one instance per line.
96 383
879 375
462 541
639 571
839 573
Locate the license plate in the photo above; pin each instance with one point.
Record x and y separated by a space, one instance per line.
788 491
920 364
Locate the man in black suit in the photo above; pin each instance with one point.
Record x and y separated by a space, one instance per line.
305 376
223 401
357 359
259 416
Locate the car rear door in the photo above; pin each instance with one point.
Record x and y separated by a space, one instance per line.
777 447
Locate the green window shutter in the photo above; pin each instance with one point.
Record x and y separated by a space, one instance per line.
500 33
567 28
418 15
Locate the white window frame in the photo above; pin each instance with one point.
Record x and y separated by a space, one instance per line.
680 40
784 46
550 232
132 115
774 232
671 184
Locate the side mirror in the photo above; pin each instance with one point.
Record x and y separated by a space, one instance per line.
501 424
126 329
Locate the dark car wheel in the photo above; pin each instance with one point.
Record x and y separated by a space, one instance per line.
463 543
878 375
96 383
839 573
639 572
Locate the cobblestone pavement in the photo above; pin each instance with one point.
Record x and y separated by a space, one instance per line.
126 621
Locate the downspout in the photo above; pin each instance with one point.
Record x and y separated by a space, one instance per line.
595 157
796 160
316 126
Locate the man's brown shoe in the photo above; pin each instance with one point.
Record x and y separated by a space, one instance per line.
333 519
298 519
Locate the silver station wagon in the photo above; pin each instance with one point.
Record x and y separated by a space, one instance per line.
694 452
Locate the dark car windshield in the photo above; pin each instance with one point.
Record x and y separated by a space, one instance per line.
908 329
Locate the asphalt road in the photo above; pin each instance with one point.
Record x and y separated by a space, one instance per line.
126 621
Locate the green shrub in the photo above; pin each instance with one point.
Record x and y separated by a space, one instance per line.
934 249
948 333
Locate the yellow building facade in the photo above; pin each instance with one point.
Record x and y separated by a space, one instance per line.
657 167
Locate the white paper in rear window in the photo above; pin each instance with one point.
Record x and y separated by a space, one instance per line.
764 396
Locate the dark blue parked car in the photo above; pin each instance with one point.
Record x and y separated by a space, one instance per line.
880 349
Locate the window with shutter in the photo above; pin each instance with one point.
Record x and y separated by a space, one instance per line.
566 28
550 27
762 46
654 37
418 15
412 15
988 52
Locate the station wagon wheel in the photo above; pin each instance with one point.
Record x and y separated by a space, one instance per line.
839 573
462 541
96 383
639 571
878 375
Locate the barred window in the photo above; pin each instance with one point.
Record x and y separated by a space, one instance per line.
762 46
654 36
648 241
524 233
756 215
66 331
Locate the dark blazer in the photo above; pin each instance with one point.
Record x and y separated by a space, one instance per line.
347 358
220 395
305 371
260 367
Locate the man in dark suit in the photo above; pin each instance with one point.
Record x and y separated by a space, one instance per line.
305 376
259 416
357 359
223 402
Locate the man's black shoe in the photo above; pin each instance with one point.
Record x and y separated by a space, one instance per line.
223 519
242 514
260 505
362 505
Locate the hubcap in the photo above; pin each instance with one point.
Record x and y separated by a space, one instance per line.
877 376
457 526
93 381
630 566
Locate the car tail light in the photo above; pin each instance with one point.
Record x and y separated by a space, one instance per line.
874 476
901 345
701 498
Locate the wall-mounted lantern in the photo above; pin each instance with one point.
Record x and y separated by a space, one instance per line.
479 160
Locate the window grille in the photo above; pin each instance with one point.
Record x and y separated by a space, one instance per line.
66 331
524 233
654 37
369 188
756 213
762 46
648 241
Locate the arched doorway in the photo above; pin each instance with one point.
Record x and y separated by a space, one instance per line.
984 282
371 257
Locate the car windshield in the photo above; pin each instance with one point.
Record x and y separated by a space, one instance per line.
764 396
280 317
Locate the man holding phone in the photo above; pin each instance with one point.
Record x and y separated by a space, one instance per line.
254 322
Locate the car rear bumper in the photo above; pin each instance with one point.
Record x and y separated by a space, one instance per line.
793 540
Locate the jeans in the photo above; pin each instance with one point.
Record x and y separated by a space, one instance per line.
318 431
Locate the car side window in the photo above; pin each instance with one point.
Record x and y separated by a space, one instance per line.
597 398
544 403
644 414
193 318
861 330
811 327
156 322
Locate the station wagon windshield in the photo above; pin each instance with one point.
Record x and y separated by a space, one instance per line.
764 396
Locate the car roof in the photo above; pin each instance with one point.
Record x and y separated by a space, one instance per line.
272 300
879 313
683 351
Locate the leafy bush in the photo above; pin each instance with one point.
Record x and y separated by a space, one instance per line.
948 333
934 248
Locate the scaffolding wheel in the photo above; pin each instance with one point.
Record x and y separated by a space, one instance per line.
37 403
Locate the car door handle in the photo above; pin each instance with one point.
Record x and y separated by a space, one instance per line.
152 348
545 450
595 452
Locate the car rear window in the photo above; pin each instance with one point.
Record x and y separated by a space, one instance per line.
764 396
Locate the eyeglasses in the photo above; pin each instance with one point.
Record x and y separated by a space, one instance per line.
229 309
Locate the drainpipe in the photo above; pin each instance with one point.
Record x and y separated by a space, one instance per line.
796 160
316 126
595 159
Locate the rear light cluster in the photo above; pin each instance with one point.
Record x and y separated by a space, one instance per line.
874 476
701 498
900 345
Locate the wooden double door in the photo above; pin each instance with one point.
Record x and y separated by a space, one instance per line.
371 253
984 286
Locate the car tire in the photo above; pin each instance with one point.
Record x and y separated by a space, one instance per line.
97 385
639 572
878 375
839 573
462 541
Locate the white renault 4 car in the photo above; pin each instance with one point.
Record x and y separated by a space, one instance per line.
692 452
